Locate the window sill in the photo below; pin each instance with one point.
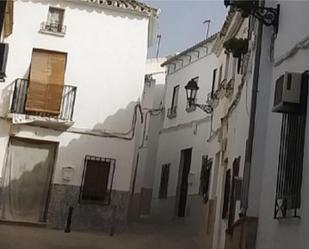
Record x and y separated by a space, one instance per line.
54 33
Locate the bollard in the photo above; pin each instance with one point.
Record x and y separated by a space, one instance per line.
112 230
69 220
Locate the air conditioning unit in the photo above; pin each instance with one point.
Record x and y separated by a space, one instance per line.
288 90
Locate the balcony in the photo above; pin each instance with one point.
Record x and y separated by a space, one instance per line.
53 28
18 107
172 112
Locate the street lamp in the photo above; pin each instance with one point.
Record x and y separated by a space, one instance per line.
191 91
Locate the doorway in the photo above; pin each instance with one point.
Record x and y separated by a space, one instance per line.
27 180
184 170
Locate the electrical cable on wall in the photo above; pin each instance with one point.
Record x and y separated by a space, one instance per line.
128 135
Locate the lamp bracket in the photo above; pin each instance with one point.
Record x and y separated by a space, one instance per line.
206 108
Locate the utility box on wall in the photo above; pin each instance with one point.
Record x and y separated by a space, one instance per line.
288 93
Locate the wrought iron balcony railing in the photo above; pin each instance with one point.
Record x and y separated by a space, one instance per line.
172 112
20 94
53 27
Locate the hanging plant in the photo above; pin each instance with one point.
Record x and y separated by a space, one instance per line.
237 47
245 7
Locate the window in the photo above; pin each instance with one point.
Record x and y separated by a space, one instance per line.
97 179
175 96
165 172
205 178
289 178
226 200
220 74
46 82
172 111
234 68
214 76
235 188
227 65
54 21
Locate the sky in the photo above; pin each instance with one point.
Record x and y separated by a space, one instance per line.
181 23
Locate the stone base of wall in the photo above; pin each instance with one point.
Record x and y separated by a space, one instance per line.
86 216
146 196
242 235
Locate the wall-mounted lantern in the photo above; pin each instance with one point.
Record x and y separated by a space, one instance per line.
268 16
191 91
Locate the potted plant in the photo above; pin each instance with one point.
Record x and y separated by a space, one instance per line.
237 47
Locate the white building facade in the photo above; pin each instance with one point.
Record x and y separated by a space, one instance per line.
279 183
181 145
70 110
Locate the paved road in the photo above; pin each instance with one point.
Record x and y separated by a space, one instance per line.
137 236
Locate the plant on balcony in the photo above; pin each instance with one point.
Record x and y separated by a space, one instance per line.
237 47
245 7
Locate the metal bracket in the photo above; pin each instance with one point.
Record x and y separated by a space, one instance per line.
206 108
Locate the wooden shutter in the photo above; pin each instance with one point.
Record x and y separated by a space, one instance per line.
232 208
46 82
227 187
8 18
96 180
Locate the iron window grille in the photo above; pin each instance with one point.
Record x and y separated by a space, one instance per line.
205 178
290 165
289 178
165 172
54 21
97 180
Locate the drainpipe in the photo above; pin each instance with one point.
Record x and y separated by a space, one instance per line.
249 145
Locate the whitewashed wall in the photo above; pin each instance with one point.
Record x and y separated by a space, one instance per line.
106 61
186 130
234 129
289 233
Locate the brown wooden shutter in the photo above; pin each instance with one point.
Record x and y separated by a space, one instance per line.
46 81
8 19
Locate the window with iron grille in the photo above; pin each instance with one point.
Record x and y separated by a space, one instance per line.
54 21
97 179
205 178
233 195
291 153
165 173
227 190
289 178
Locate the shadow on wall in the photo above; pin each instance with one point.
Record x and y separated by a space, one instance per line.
65 194
5 99
24 198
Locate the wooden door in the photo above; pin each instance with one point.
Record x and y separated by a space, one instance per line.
186 160
46 82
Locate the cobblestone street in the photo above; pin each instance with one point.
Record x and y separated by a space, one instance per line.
137 236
